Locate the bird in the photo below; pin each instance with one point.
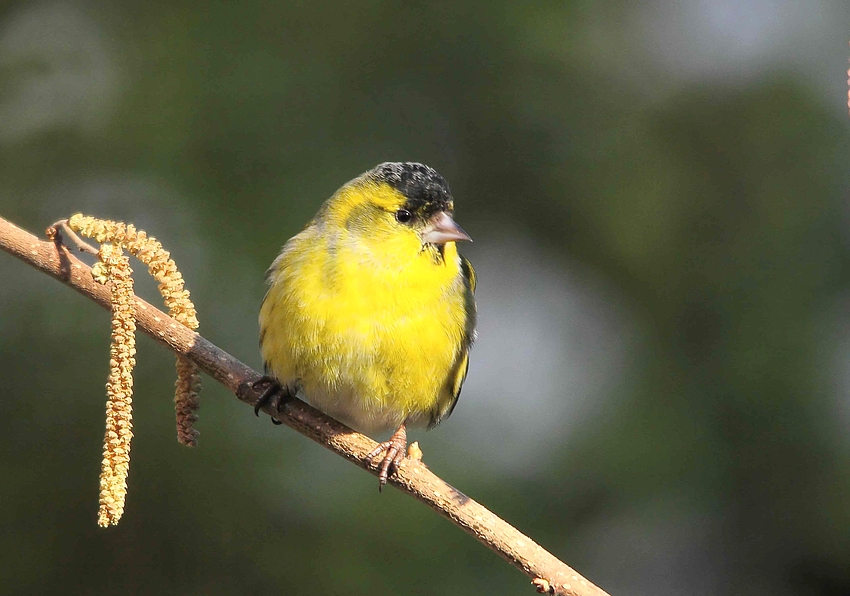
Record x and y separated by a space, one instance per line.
369 313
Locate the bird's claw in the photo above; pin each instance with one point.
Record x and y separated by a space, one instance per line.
393 451
272 393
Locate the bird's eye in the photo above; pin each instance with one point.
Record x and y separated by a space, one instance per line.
403 216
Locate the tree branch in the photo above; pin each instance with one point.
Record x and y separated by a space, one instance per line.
549 574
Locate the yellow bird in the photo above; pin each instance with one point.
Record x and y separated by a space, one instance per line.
369 314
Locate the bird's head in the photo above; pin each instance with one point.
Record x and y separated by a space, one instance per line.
403 203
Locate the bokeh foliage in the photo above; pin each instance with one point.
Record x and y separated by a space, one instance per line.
714 210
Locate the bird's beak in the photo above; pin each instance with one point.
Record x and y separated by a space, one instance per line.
441 228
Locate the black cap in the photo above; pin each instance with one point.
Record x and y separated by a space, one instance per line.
424 188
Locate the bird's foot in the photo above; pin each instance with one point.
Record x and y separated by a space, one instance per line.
393 452
272 393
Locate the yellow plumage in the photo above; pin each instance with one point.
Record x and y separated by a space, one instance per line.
366 316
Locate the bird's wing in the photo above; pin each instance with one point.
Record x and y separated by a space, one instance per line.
468 273
458 373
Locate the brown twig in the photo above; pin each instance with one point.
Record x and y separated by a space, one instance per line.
413 477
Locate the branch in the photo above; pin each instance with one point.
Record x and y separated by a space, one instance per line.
548 573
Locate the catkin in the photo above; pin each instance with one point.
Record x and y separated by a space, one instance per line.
187 386
114 267
162 268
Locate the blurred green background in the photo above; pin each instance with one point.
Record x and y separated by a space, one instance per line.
658 194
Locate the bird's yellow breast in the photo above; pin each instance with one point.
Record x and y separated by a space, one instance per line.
371 330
